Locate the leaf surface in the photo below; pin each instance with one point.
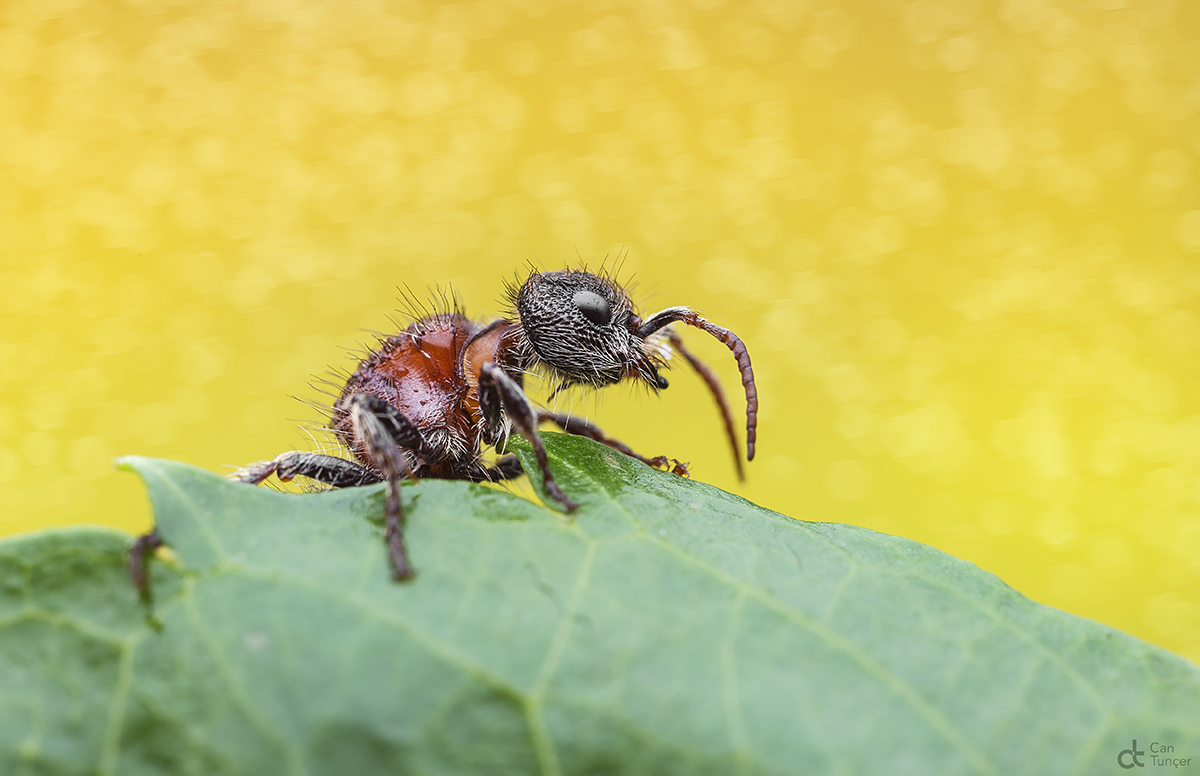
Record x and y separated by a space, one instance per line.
669 627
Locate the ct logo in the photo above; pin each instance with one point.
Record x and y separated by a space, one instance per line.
1134 753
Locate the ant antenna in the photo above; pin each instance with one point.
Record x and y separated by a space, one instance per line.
731 341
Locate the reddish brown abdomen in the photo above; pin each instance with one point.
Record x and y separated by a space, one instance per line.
416 371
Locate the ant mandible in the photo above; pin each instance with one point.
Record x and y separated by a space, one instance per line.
425 402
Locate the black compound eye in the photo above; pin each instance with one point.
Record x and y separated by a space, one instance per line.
593 306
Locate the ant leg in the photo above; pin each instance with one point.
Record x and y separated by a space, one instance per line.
582 428
385 433
507 468
138 552
499 391
326 469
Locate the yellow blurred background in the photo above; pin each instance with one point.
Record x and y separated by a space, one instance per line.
961 239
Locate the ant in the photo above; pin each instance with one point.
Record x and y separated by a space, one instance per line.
425 402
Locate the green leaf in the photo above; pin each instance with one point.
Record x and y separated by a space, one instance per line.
669 627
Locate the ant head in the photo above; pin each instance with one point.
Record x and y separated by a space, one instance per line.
583 327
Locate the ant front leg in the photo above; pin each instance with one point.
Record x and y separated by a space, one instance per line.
384 433
498 391
582 428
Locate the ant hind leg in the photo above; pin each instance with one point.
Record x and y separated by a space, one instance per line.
326 469
507 468
385 433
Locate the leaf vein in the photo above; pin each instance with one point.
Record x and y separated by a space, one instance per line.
237 689
901 688
63 621
198 516
1096 697
435 645
898 686
733 707
547 756
116 712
